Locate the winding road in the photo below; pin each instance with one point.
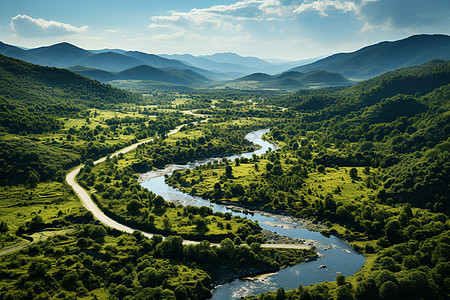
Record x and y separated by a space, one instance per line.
89 204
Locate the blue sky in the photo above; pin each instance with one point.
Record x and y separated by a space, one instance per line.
284 29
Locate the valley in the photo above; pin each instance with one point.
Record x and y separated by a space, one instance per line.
351 178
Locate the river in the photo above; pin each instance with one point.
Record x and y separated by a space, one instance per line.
336 255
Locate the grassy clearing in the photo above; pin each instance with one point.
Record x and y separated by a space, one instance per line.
339 183
50 200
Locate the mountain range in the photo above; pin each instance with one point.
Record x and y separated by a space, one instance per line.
116 64
144 72
383 57
290 80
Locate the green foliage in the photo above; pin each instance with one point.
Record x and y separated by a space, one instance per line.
27 161
3 227
125 266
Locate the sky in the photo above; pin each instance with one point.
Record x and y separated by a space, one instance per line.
282 29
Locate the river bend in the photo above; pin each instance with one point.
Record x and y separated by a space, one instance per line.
336 255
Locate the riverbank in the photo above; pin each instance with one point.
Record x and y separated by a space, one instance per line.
291 222
227 273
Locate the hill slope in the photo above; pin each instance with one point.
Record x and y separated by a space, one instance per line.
386 56
143 72
293 80
31 96
408 81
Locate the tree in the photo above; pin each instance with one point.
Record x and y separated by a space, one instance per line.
36 223
281 294
217 193
392 230
411 262
269 166
229 171
277 170
320 169
200 224
158 201
33 179
3 226
227 247
38 268
389 290
167 225
134 207
340 279
97 232
353 173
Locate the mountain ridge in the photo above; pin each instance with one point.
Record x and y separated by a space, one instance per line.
143 72
385 56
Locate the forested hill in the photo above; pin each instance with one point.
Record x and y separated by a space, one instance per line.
27 82
417 80
33 99
398 121
31 96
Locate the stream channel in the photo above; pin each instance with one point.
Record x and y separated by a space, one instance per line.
335 254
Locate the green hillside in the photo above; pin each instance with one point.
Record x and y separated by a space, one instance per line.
32 96
409 81
290 80
33 101
164 76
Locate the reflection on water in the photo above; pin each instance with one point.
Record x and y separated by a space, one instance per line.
337 256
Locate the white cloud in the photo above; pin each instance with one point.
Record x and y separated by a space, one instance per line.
113 30
170 37
398 14
226 17
27 26
324 5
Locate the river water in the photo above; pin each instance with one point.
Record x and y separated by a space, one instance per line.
336 255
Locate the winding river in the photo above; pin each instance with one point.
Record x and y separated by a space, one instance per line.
336 255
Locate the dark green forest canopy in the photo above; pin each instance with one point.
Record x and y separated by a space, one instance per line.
33 99
24 81
32 96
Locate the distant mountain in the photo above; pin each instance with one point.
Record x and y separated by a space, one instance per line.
236 64
385 56
174 76
233 58
256 77
291 80
110 61
214 66
93 73
156 61
61 54
16 52
144 72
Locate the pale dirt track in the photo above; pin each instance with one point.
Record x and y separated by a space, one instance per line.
15 247
89 204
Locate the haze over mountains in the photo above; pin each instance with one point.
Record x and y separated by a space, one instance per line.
116 64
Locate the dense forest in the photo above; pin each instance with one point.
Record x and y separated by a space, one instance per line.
370 163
